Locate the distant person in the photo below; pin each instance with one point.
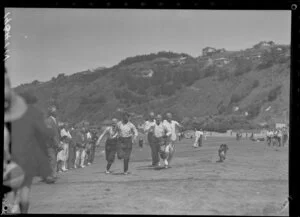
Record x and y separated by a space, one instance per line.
111 132
93 147
72 149
150 136
88 146
172 125
66 146
197 137
127 135
62 155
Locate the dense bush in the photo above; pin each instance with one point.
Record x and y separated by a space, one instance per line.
209 71
235 98
29 97
255 84
273 94
242 66
253 110
90 100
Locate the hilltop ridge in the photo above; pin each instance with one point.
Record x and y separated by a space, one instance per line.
218 89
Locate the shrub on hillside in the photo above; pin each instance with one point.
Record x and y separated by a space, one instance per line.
29 97
209 71
235 98
242 66
273 94
253 110
255 84
89 100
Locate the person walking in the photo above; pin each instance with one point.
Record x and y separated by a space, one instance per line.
150 137
111 133
172 125
127 135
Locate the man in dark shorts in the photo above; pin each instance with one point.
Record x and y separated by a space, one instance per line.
110 144
127 135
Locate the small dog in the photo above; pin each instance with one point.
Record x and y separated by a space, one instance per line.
222 152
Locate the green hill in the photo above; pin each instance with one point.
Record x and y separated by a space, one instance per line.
229 89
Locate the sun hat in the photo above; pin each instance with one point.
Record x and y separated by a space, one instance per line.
14 105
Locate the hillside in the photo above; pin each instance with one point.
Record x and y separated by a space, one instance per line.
220 89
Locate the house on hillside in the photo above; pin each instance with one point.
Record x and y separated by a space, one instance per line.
208 51
221 61
147 73
279 125
179 61
264 44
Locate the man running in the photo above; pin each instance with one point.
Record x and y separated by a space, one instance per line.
127 135
110 144
150 136
170 149
162 134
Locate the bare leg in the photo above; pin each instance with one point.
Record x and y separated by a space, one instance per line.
24 199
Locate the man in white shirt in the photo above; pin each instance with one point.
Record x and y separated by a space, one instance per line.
148 129
162 134
170 149
198 138
127 133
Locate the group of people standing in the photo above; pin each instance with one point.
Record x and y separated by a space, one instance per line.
277 137
77 147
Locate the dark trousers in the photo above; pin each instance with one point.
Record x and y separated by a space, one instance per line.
91 155
72 156
154 149
200 141
52 154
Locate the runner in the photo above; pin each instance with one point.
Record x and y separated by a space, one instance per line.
127 135
170 149
149 130
162 134
110 144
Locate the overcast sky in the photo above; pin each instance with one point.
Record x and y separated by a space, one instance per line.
46 42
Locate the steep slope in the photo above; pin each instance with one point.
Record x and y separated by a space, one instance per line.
205 89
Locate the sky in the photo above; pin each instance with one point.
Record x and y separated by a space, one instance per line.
47 42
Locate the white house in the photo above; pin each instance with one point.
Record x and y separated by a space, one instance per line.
280 125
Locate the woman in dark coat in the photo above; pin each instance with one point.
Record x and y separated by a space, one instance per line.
29 135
